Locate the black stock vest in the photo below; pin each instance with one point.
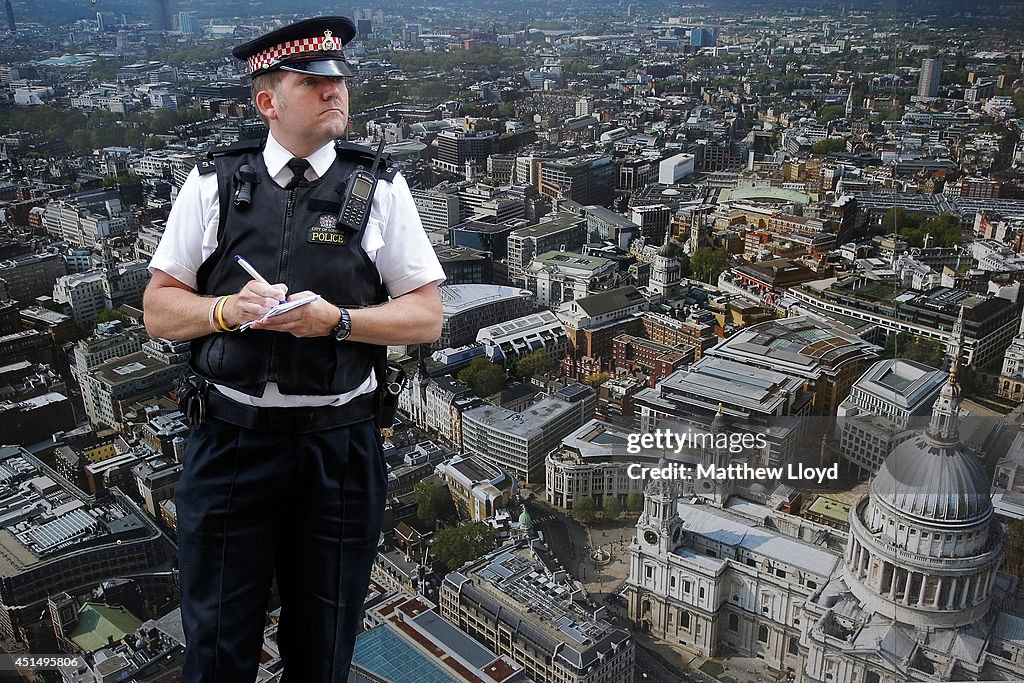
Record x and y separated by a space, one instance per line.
289 236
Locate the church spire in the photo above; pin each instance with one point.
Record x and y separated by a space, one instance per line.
946 409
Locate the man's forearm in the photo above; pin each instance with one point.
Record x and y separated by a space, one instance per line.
411 319
173 313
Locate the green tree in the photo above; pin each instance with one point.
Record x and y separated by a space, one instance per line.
595 379
830 112
539 362
897 219
944 229
635 501
453 546
612 507
906 345
829 145
583 510
483 376
111 316
707 263
433 502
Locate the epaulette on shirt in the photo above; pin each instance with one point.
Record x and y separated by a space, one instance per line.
209 164
363 155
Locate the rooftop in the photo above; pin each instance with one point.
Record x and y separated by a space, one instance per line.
461 298
733 531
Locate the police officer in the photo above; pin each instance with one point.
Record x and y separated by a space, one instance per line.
283 476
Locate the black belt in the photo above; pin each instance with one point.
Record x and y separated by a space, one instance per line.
296 420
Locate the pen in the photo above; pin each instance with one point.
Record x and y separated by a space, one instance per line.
252 271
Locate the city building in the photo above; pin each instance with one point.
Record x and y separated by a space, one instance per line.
517 602
827 359
478 488
517 442
555 277
990 322
593 461
405 638
594 321
468 308
55 541
464 266
891 397
508 341
560 232
930 78
149 373
438 208
28 277
585 179
670 331
656 361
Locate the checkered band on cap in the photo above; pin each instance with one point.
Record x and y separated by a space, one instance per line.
278 53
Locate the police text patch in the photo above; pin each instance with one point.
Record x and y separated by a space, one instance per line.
326 231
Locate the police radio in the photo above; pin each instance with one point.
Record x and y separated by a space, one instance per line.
355 207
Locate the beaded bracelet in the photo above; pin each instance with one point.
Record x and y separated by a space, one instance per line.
220 316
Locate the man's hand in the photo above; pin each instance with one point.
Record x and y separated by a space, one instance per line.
316 319
252 302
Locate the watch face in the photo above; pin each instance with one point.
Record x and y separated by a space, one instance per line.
707 486
650 537
344 326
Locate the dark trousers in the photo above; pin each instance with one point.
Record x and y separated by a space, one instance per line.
306 506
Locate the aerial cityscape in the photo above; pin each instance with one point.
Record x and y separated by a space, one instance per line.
730 379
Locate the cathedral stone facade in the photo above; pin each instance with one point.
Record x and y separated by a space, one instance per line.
917 594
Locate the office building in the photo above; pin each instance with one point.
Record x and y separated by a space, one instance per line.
827 359
593 461
508 341
438 208
188 23
518 603
891 397
489 237
160 14
28 277
930 78
457 148
405 638
464 266
563 231
585 179
147 374
467 308
703 37
478 488
517 442
593 321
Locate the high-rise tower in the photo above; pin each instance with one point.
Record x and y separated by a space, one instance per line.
931 75
161 14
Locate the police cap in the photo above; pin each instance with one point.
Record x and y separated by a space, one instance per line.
311 46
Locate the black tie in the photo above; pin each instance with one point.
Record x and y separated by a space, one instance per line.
298 167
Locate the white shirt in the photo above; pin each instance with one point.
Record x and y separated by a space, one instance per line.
394 240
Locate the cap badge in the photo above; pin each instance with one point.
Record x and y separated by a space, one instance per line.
329 42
